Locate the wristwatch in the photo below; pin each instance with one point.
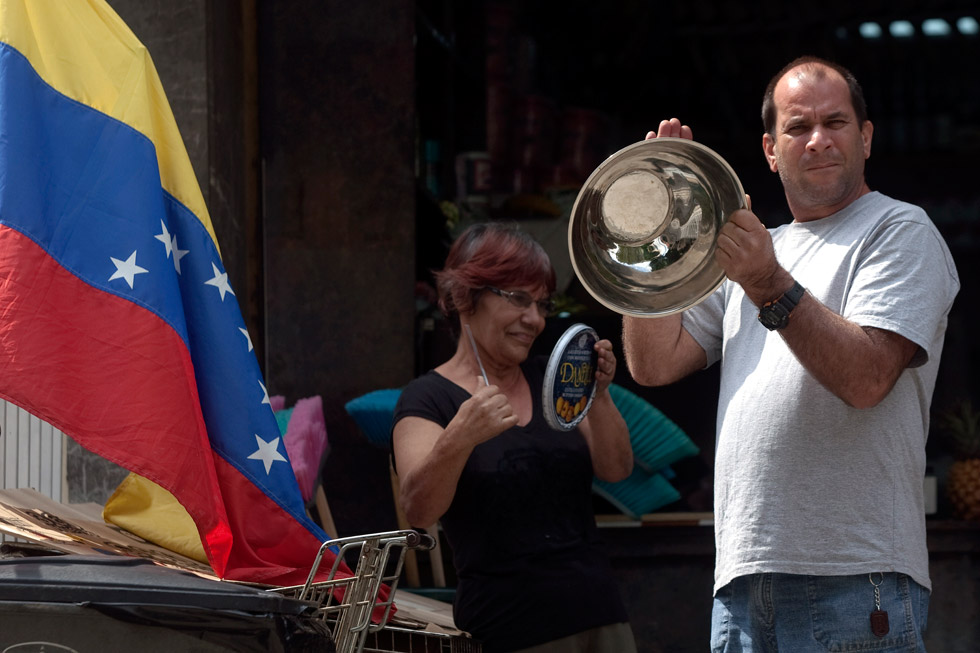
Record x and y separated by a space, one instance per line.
774 315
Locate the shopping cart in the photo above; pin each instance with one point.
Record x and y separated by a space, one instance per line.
346 603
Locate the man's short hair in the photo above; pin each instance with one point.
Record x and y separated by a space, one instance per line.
813 63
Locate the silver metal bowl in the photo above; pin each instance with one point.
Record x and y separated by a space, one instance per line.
643 228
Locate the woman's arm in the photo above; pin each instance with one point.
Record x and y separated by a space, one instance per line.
430 458
604 428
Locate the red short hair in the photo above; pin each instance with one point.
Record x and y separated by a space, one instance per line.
491 254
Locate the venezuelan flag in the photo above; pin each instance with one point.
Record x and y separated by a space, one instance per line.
117 322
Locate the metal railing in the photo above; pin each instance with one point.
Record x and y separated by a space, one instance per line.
351 604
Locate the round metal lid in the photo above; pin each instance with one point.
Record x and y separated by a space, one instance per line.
643 228
569 378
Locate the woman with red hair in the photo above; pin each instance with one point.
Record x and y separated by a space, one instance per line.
472 449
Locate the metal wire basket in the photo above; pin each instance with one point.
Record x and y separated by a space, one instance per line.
346 603
402 640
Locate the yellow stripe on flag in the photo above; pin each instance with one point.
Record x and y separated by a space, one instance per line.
82 69
142 507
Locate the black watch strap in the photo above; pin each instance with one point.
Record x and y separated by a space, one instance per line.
792 297
774 315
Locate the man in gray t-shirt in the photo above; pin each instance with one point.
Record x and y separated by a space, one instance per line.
829 332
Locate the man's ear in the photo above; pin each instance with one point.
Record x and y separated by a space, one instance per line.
867 131
769 149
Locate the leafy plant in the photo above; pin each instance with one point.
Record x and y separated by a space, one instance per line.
960 428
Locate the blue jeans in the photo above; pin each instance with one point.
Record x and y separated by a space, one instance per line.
770 613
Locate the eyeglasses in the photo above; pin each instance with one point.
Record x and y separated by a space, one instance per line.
522 300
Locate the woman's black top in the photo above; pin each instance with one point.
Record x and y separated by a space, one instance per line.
529 563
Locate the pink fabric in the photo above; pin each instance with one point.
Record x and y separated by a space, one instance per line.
306 442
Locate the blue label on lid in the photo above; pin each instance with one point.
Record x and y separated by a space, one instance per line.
570 378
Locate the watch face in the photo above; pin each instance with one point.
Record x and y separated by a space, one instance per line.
774 316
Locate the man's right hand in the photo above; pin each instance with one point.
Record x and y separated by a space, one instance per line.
672 128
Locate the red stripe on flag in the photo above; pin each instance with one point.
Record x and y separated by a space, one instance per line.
264 533
110 374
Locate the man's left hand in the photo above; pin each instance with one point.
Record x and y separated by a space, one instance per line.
745 252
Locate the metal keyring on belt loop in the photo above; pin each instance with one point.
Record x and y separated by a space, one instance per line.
882 580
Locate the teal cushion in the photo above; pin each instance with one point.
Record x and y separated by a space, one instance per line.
373 412
657 441
637 494
282 419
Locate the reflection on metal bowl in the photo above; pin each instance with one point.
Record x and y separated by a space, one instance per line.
642 231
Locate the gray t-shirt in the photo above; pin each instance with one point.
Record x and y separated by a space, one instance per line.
805 484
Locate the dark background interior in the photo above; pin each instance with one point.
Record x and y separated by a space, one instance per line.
707 63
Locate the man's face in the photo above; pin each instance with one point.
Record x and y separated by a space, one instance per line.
818 147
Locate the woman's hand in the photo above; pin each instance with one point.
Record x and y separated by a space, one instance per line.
605 370
484 415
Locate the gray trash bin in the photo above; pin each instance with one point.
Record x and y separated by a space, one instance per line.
108 603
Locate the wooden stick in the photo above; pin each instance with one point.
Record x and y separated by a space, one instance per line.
411 564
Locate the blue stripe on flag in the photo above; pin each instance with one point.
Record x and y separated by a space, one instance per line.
86 188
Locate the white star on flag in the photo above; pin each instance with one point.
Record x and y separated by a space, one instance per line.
248 338
265 394
164 237
127 269
268 452
220 281
179 254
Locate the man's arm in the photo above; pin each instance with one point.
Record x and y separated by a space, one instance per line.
659 350
858 364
